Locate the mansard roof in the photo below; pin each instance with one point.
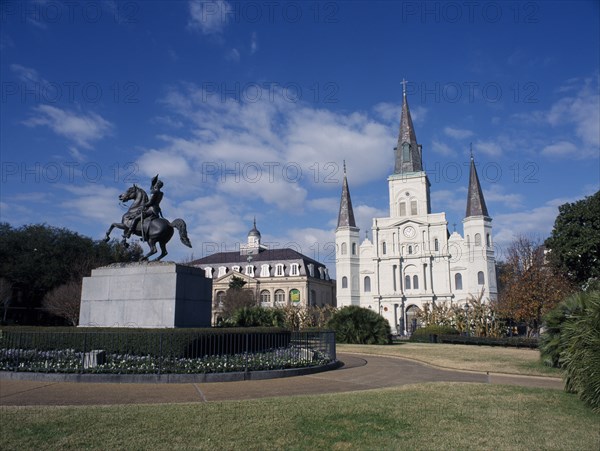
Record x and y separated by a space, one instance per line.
268 255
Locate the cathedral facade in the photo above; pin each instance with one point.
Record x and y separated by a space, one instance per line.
411 258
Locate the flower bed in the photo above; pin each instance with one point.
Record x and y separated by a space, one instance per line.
163 351
70 361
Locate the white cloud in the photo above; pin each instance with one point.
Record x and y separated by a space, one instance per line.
27 74
457 133
488 148
82 129
209 17
559 149
253 43
581 110
441 148
233 55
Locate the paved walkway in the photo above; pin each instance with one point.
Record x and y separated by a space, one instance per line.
360 372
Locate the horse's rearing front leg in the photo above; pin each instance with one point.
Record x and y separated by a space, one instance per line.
114 225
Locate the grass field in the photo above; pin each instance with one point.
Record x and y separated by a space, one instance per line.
464 357
424 416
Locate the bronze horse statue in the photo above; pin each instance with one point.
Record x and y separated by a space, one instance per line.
152 229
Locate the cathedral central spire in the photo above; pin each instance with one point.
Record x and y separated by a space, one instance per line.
407 151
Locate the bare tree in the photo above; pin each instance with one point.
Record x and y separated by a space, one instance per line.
530 286
64 301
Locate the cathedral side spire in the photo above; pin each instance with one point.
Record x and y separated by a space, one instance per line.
407 152
475 201
346 214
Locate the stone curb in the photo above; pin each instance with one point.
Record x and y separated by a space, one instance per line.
167 378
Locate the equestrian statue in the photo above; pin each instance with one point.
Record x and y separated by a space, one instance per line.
144 218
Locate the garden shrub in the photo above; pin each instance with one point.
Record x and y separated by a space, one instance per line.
166 342
580 351
515 342
357 325
422 334
257 317
551 343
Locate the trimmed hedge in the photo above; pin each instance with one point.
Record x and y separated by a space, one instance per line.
424 334
516 342
183 343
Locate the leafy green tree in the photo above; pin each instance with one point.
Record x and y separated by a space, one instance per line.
575 240
357 325
236 298
37 258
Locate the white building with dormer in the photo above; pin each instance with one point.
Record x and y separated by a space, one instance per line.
411 258
276 277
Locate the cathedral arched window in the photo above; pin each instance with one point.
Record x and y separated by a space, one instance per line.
402 209
407 282
458 281
480 278
353 248
436 245
410 249
344 282
415 282
488 240
405 152
478 239
468 240
344 248
383 248
367 284
413 207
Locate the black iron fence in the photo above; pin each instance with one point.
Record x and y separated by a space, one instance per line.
163 351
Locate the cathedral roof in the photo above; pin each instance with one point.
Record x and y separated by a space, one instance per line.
407 151
475 201
346 214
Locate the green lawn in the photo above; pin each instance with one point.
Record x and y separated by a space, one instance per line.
424 416
494 359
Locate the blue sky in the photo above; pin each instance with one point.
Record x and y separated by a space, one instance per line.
249 108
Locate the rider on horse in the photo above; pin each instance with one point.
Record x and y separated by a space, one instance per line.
150 209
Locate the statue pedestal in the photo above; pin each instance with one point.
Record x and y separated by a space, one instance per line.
146 295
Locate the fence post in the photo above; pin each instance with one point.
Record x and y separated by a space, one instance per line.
160 353
83 353
247 348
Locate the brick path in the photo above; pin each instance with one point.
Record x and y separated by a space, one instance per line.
360 372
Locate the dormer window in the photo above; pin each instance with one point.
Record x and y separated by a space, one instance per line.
222 271
294 269
311 270
279 270
264 271
321 272
208 272
250 270
235 268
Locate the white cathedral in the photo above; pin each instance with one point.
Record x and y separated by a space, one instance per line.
412 258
